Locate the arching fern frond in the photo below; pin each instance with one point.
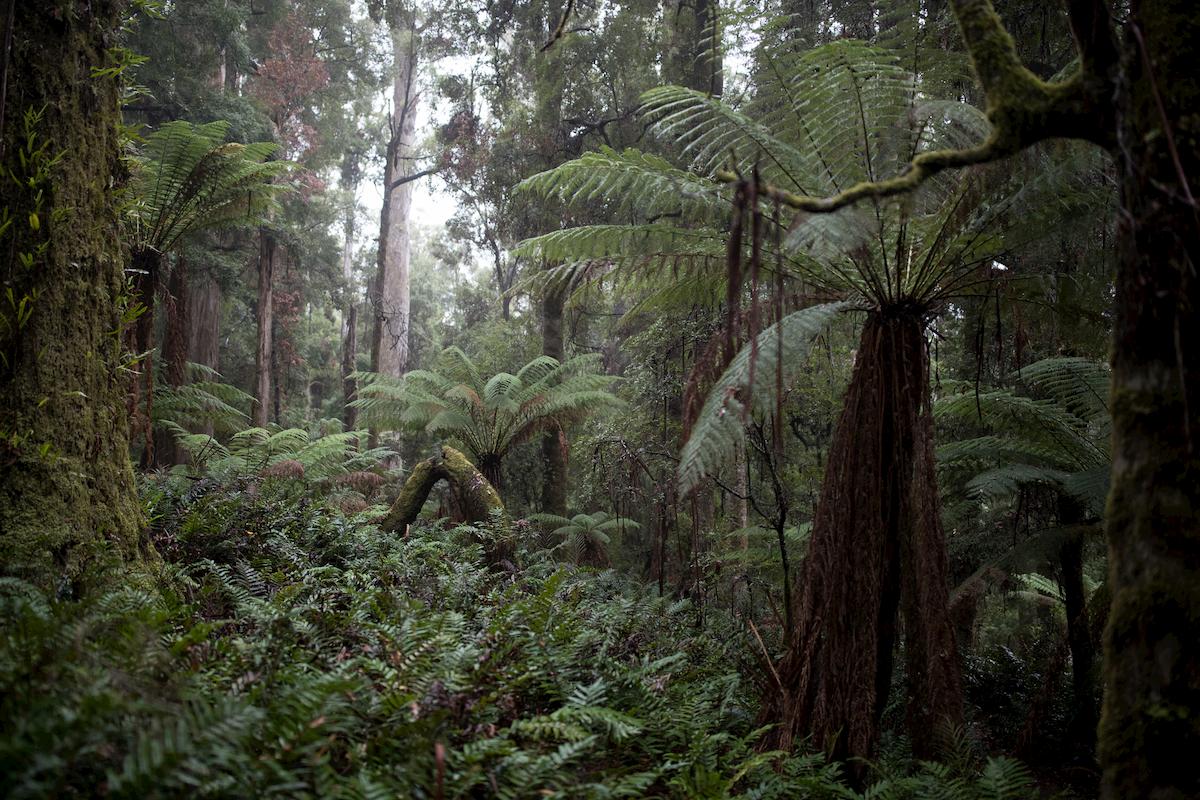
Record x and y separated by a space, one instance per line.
720 427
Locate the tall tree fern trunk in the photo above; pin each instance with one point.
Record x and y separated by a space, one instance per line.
1151 715
350 323
68 507
872 526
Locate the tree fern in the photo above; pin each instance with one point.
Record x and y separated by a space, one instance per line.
775 360
489 417
187 178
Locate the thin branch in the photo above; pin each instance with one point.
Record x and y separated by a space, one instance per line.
561 30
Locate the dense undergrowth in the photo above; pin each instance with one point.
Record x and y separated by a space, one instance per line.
285 649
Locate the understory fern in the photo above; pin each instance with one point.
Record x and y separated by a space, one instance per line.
287 650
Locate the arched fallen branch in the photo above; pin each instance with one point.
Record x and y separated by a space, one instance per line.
474 496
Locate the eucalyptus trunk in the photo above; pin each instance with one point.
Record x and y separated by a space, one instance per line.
68 507
390 345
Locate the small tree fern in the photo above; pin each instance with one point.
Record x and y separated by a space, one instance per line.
586 537
487 416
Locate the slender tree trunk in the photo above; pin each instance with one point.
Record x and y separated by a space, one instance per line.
1150 723
349 355
554 440
870 528
389 345
147 264
175 351
265 318
204 327
1082 726
68 508
350 332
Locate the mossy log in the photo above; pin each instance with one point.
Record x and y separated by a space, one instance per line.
474 496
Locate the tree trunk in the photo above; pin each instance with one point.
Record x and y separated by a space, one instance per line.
1082 727
146 266
872 526
554 441
693 55
1151 716
931 660
68 508
389 346
349 355
204 327
350 332
475 499
265 318
175 351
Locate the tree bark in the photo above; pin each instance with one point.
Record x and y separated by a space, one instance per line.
389 346
265 318
68 508
554 441
146 266
175 350
1150 722
872 533
350 325
692 55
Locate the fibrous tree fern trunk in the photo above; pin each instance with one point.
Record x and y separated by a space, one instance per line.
876 540
67 501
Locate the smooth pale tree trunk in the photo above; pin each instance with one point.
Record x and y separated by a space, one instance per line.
1150 723
389 347
265 314
68 508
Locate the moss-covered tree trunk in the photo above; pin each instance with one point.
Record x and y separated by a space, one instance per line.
876 538
1150 725
67 501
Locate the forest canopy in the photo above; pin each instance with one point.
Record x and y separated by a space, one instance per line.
596 399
